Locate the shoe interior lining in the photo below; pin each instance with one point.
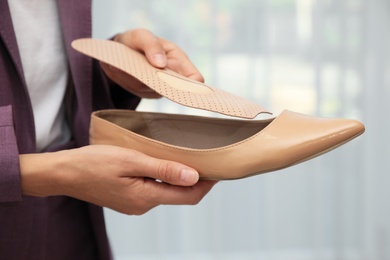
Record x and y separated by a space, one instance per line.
189 132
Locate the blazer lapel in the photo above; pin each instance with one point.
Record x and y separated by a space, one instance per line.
14 89
8 36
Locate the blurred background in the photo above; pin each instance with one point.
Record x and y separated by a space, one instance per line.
323 57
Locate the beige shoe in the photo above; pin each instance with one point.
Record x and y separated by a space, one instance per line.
217 148
223 148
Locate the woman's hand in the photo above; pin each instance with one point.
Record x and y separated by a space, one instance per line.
159 52
118 178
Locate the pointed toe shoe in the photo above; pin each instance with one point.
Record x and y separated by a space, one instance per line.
223 149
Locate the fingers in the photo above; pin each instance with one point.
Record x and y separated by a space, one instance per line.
178 184
119 178
163 193
151 194
146 42
160 52
179 62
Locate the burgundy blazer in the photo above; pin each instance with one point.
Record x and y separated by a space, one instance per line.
56 227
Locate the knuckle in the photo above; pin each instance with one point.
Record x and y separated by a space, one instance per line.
137 31
164 172
139 34
139 211
139 208
169 45
195 200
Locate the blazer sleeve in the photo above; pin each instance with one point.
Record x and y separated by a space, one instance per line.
10 186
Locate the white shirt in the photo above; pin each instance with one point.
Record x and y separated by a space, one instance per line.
38 34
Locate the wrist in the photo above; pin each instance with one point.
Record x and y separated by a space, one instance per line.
42 174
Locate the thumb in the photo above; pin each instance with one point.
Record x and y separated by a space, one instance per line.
176 174
167 171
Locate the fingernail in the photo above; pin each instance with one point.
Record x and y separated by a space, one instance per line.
189 176
160 60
